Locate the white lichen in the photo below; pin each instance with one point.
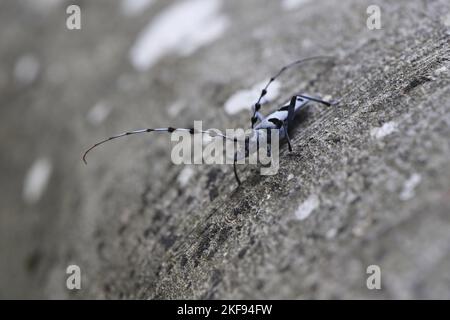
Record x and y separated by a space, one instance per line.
185 175
180 29
446 20
175 108
26 69
307 207
409 187
293 4
36 180
383 131
98 113
134 7
441 70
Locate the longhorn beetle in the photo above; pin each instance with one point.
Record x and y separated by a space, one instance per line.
279 120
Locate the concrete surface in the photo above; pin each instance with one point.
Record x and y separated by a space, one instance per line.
369 179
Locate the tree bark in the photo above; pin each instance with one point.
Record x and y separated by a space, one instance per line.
367 182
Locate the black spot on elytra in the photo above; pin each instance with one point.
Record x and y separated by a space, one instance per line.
276 122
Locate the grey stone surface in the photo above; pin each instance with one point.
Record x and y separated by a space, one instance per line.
136 233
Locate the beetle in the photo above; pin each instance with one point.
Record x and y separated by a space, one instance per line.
279 120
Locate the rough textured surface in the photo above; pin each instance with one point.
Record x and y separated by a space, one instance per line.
377 167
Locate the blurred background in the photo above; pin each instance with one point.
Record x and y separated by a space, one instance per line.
368 182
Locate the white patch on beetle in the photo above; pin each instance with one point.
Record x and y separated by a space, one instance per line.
134 7
307 207
409 186
185 175
36 180
383 131
181 29
290 177
244 99
293 4
207 139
